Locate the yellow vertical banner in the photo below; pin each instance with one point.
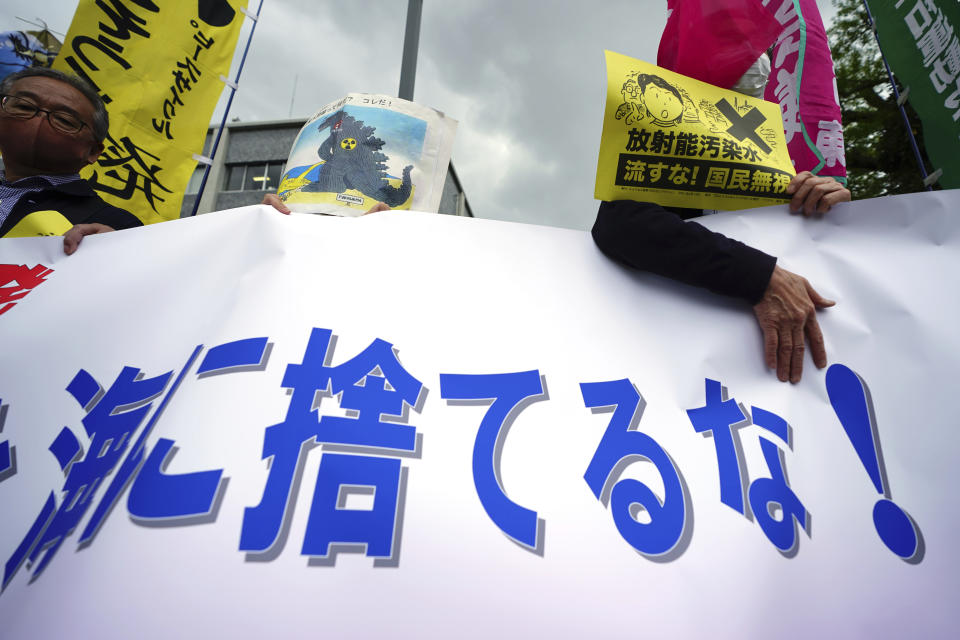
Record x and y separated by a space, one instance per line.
158 68
680 142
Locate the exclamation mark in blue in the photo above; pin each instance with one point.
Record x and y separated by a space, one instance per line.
851 401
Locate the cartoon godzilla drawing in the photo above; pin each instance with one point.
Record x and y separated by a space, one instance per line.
352 160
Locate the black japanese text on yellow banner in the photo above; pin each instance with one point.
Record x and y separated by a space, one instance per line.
679 142
158 68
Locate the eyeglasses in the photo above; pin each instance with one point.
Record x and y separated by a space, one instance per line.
62 121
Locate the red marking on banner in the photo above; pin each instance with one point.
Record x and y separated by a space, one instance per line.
17 280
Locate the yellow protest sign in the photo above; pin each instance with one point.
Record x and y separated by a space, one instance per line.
158 68
679 142
40 223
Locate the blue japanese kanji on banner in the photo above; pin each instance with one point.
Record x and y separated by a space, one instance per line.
372 385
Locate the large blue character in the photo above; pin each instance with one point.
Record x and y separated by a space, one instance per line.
7 467
718 417
110 429
508 393
6 460
159 496
371 386
112 421
621 445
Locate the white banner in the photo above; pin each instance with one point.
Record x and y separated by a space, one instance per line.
164 392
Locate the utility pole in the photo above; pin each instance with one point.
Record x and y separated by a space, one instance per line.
411 42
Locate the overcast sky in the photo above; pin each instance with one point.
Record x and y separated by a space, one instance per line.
525 79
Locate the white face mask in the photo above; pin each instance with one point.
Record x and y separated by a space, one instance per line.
754 81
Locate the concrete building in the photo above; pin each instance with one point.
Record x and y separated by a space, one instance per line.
250 160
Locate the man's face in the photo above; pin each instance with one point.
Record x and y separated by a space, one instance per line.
35 146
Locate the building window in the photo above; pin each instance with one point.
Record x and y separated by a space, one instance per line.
274 172
234 177
255 176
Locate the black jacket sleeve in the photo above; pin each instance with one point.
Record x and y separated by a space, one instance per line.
115 217
649 237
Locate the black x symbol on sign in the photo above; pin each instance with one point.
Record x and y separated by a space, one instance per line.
745 127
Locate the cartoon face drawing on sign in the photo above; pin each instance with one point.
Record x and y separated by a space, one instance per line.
649 96
663 101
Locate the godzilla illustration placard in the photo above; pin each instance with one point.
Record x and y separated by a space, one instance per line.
368 149
679 142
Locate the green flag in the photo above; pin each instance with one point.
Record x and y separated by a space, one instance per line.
920 42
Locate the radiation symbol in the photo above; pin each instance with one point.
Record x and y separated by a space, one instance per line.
348 143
